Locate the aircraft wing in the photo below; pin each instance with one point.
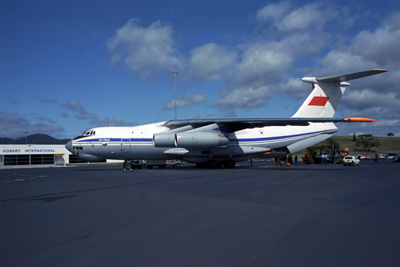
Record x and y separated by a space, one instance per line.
230 125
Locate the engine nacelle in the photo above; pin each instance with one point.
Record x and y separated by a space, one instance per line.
200 139
164 140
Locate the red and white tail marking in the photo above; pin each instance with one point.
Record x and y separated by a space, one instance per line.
318 101
326 94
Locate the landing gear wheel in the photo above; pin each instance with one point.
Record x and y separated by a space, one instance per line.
213 164
229 164
127 165
200 165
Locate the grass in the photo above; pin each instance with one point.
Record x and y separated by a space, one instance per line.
387 145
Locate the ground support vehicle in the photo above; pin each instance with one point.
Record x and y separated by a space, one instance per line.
351 160
341 154
160 163
173 162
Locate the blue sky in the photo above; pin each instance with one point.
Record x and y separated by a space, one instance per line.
67 66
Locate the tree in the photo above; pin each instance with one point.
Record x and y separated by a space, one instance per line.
354 137
367 141
390 134
331 142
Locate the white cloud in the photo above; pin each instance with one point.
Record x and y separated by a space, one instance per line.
146 51
210 62
308 16
76 106
339 62
286 17
82 114
380 45
14 125
294 87
184 101
273 12
261 61
371 104
246 98
111 122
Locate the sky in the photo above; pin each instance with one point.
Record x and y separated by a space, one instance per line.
68 66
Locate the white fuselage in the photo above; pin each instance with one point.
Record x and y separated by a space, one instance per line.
137 143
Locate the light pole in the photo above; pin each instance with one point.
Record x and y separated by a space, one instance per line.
174 73
26 138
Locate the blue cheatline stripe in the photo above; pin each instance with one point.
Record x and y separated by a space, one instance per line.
279 137
115 140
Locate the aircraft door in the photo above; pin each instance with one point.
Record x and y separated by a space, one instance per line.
125 145
75 151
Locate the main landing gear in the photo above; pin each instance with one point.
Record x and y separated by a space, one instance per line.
127 165
132 164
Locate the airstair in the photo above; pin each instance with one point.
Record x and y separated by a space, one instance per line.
308 159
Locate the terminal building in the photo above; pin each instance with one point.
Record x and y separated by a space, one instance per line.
13 155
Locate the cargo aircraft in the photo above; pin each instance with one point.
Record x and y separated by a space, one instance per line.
213 143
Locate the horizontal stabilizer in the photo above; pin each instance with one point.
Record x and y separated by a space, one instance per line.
350 76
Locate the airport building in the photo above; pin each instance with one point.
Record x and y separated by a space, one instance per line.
13 155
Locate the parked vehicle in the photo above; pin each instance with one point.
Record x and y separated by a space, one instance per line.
396 158
351 160
341 154
390 155
160 163
173 162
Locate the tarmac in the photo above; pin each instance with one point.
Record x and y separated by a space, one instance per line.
248 216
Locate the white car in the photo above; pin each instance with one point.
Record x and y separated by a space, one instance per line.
351 160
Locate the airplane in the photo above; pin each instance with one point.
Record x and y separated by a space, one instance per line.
213 143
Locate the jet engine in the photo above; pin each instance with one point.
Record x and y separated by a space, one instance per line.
200 139
164 140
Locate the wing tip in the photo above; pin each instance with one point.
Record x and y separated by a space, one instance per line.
380 70
359 120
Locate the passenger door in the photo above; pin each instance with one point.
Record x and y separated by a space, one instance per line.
125 145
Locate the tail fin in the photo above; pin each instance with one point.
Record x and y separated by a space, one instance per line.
326 94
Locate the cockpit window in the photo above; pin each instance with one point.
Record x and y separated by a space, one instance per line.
89 133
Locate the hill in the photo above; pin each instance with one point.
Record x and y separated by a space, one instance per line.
39 139
388 145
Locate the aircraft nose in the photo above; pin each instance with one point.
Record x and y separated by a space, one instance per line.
69 146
